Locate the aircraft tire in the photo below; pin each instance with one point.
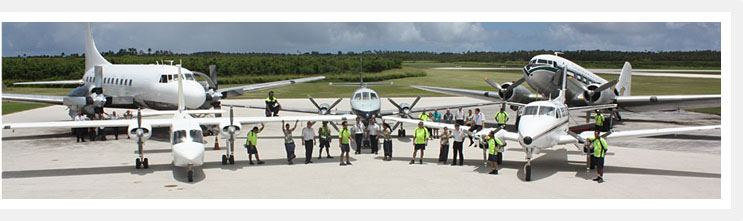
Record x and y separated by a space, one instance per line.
527 176
232 159
224 159
145 163
190 176
137 163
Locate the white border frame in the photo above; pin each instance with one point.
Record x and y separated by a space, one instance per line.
584 204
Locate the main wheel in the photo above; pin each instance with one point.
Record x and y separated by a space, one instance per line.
145 163
224 159
137 163
232 159
403 132
190 176
527 170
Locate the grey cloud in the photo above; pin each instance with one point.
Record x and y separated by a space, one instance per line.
636 36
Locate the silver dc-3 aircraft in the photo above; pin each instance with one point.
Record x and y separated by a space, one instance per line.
584 88
544 124
134 86
186 136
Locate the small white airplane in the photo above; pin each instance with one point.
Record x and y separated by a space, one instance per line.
544 124
134 86
186 136
366 104
584 88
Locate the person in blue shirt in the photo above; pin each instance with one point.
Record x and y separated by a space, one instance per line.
436 118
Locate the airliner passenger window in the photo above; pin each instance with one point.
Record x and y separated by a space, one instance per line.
170 77
130 82
163 79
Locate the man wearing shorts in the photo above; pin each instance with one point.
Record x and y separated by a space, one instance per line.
344 136
599 153
420 140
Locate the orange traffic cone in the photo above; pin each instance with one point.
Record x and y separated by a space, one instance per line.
216 143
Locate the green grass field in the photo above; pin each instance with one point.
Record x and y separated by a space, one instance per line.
467 79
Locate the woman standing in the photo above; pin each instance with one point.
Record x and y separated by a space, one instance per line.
289 141
444 151
387 141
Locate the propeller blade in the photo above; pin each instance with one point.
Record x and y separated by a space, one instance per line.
335 103
606 85
516 83
492 83
411 117
396 125
313 102
394 103
415 102
334 126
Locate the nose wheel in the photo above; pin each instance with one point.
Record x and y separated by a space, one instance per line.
401 132
527 172
141 163
226 159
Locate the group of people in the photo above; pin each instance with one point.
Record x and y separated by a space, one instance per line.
94 133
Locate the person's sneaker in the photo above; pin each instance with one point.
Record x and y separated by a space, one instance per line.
348 163
596 179
343 164
260 162
454 164
412 161
496 172
420 161
601 180
251 163
493 172
329 157
311 161
290 163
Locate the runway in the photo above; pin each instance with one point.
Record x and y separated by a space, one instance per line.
635 72
49 164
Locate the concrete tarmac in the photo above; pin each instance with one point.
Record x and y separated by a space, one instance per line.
41 164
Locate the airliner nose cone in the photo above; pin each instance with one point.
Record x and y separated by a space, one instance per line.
194 94
527 140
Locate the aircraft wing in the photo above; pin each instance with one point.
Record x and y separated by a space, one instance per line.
443 107
667 102
237 91
566 139
51 82
593 107
290 109
487 95
47 99
507 135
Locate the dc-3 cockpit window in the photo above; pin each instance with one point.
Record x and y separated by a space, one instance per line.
196 136
540 61
179 136
531 110
546 110
357 96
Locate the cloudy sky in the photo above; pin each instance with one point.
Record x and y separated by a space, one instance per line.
55 38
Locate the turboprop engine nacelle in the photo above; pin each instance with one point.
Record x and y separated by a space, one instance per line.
519 94
146 130
224 129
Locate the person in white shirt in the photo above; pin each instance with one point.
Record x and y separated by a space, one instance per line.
308 140
458 134
478 121
373 129
115 129
358 130
459 116
80 132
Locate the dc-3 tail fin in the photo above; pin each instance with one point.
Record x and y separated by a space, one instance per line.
625 80
92 56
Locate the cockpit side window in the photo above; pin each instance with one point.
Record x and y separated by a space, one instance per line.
196 136
357 96
189 77
373 96
541 61
531 110
179 136
546 110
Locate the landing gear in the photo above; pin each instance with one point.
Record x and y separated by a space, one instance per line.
141 163
527 172
190 176
226 159
401 132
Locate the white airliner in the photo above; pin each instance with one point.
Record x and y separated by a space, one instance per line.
185 131
583 88
544 124
150 86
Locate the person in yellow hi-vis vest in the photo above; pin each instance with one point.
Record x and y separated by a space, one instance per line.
501 117
599 152
250 144
344 136
420 140
599 120
494 145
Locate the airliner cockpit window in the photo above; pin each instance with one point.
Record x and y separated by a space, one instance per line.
196 136
366 95
531 110
547 110
357 96
373 96
179 136
170 77
189 77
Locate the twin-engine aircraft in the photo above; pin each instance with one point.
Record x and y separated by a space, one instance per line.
544 124
151 86
584 88
186 136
